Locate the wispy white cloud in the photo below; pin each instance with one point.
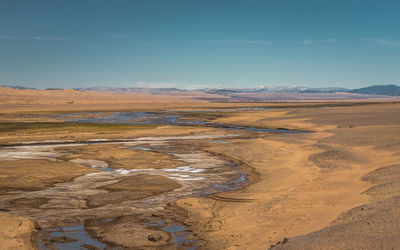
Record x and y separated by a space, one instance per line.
49 38
239 41
307 41
383 42
42 38
310 41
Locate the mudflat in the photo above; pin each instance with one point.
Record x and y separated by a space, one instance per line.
30 175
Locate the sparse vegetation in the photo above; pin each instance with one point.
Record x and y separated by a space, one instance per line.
30 127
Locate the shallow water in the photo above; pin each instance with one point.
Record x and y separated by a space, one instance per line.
71 237
203 174
76 237
179 234
220 142
141 148
166 118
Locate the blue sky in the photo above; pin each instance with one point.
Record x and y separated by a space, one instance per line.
190 44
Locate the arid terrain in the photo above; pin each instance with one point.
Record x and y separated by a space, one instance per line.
132 171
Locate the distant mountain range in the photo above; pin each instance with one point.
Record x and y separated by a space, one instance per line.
153 91
391 90
387 90
15 87
286 89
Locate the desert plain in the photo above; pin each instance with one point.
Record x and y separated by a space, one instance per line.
126 171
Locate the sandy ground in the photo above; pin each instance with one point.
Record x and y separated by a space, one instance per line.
31 175
16 232
326 180
28 101
334 188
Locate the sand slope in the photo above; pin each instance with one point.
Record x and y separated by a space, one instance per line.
309 182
